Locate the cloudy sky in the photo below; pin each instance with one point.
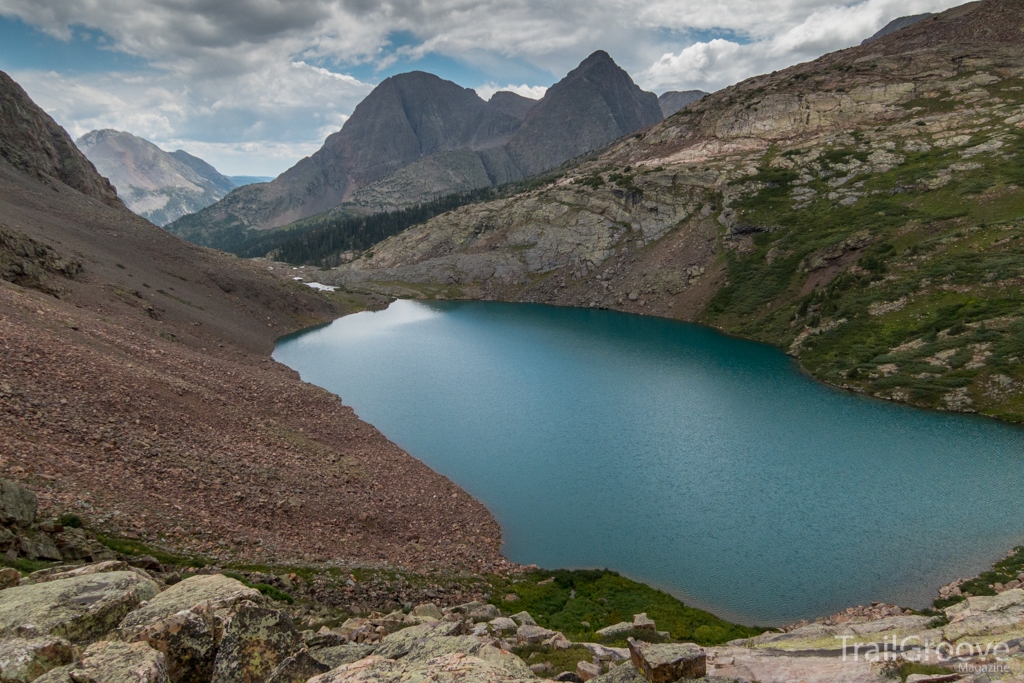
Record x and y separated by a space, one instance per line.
254 85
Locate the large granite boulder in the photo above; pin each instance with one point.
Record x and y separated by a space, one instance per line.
668 663
256 639
298 668
336 655
9 577
624 673
66 572
17 504
113 662
188 640
79 608
25 659
533 634
217 590
399 643
464 658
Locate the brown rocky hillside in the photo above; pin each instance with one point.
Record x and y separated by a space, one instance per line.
136 390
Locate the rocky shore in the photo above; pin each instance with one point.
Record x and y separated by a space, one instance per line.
99 615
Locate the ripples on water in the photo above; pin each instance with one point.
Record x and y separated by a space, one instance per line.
701 464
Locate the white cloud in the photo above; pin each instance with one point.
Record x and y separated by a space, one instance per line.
534 92
716 63
278 74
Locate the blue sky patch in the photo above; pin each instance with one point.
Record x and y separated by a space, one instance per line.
88 51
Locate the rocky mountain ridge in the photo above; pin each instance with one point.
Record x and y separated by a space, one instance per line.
416 137
159 186
31 141
867 195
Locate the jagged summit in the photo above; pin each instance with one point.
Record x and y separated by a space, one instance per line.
417 136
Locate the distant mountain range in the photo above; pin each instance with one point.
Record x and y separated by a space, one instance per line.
417 137
160 186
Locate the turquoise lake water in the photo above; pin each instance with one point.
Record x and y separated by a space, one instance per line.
705 465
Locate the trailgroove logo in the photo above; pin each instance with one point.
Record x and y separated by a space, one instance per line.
914 649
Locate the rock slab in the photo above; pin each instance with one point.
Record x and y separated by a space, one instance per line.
668 663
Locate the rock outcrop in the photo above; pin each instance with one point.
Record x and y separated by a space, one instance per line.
159 186
31 141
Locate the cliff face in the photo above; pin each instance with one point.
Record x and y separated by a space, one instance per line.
31 141
860 211
155 184
416 137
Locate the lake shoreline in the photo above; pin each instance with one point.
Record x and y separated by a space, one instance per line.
832 388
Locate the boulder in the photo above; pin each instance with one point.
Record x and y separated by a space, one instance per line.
933 678
642 621
17 504
484 613
298 668
442 659
256 639
559 642
188 641
66 572
113 662
568 677
533 634
79 608
75 546
398 644
356 630
337 655
62 674
588 670
9 577
615 629
668 663
467 607
524 619
216 589
36 545
502 624
607 654
323 638
427 610
25 659
624 673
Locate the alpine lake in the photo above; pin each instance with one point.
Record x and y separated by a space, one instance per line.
704 465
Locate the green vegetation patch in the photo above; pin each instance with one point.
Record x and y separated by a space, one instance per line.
904 281
603 598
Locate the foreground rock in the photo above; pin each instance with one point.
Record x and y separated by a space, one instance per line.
24 660
80 608
113 662
256 639
668 663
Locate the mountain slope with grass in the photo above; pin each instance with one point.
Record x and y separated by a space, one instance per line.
863 212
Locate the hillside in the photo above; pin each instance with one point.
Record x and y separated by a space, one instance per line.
158 185
672 101
136 391
417 137
862 212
